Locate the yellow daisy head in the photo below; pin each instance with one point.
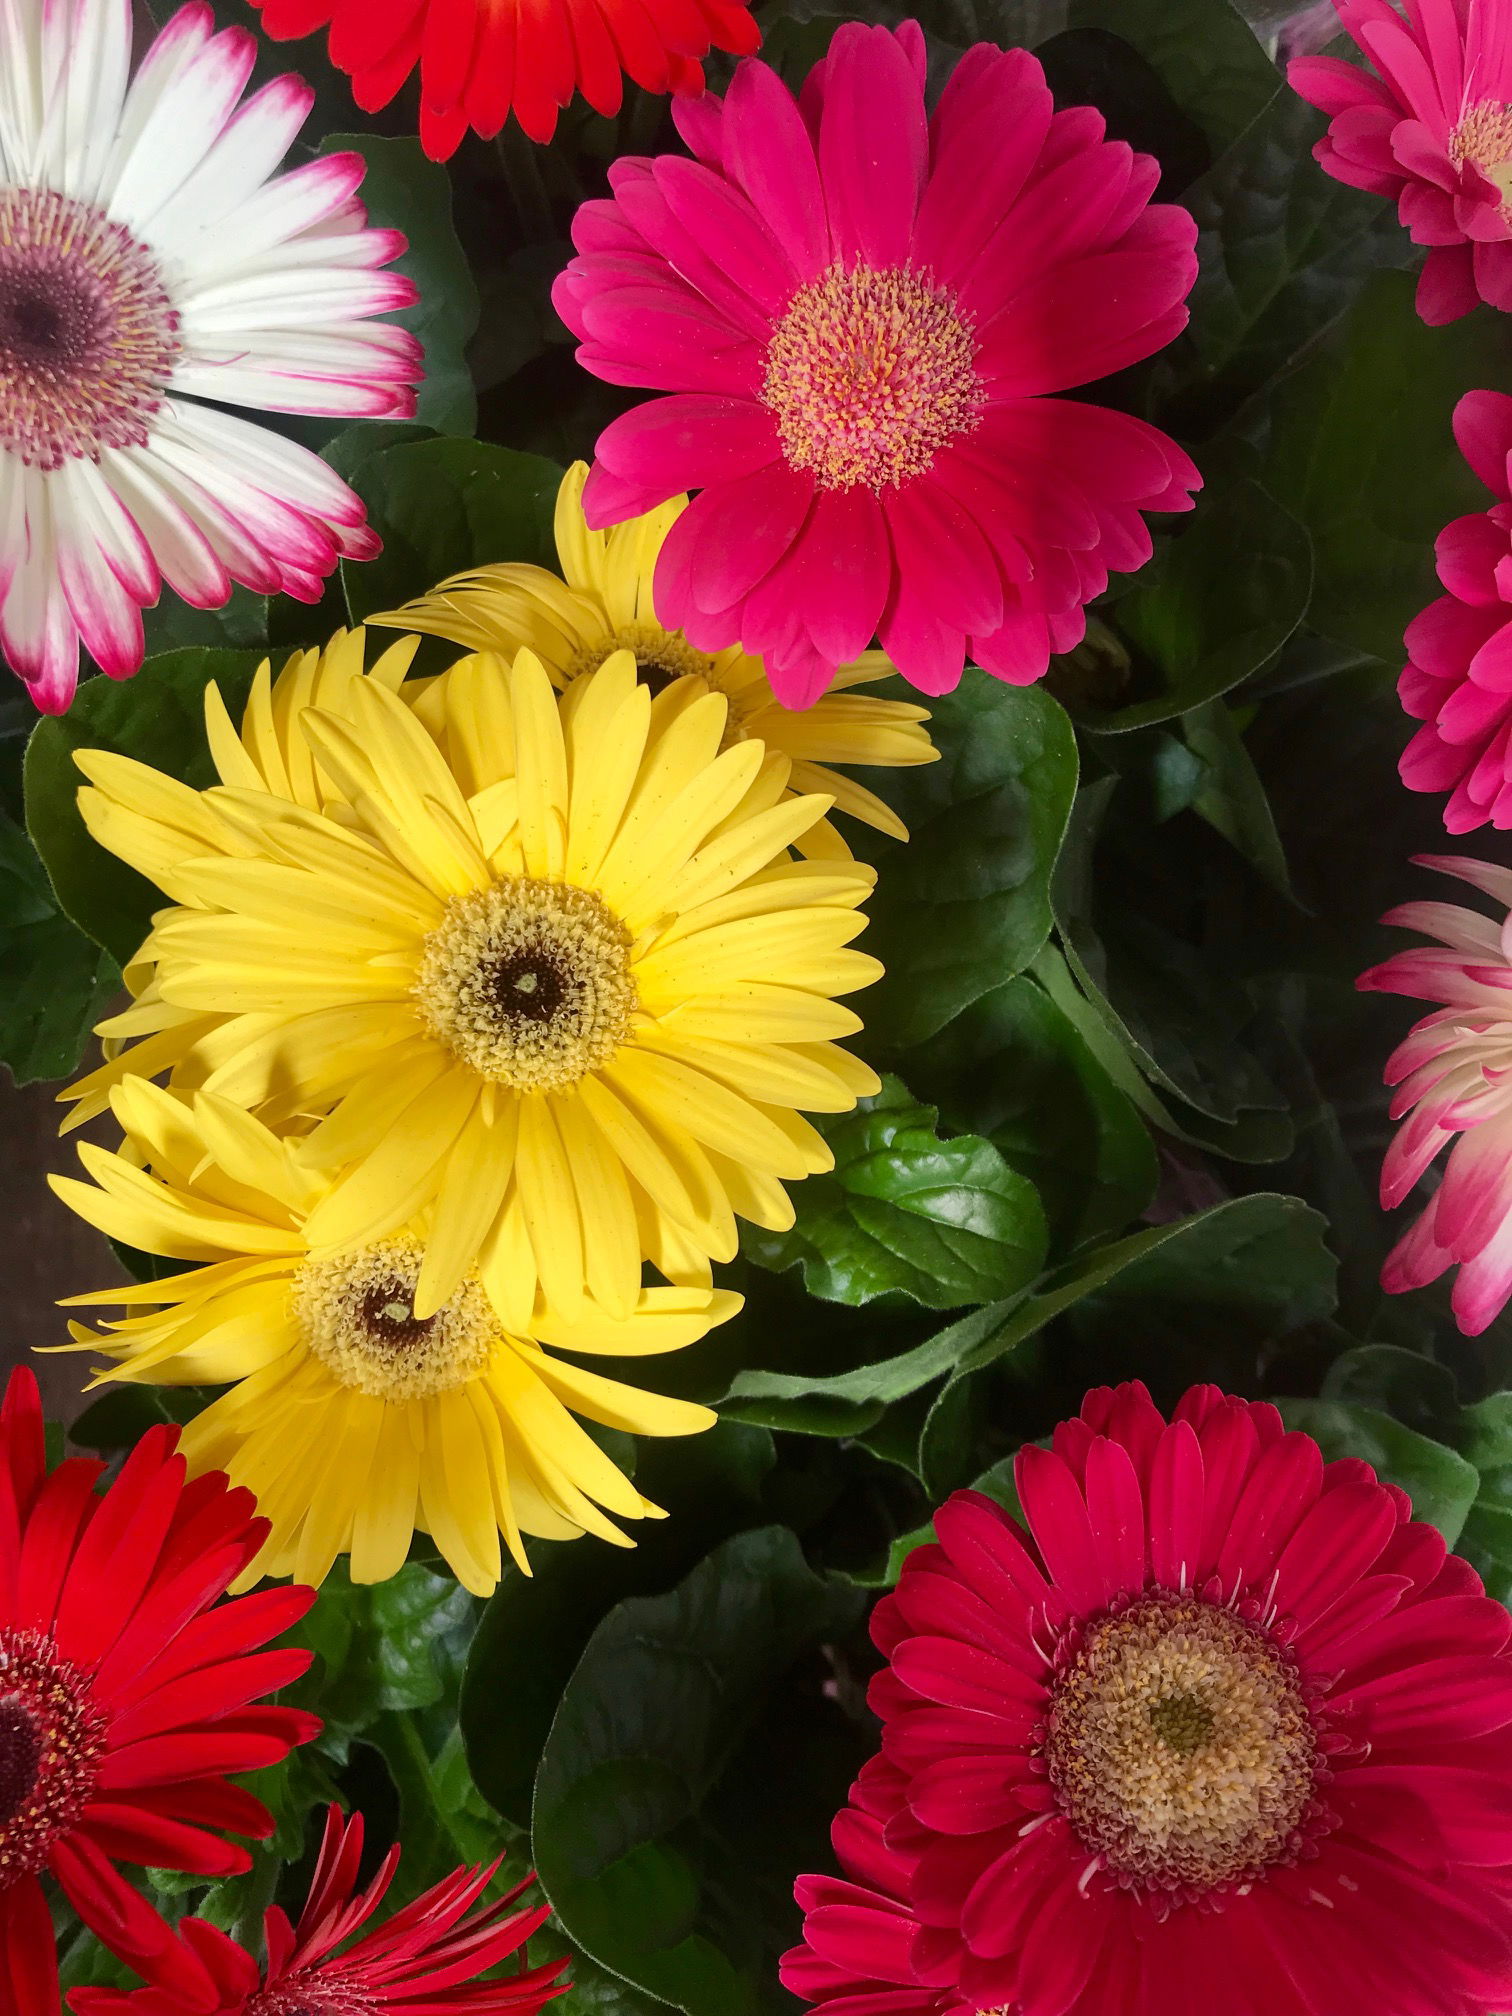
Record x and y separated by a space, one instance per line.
551 976
603 604
353 1419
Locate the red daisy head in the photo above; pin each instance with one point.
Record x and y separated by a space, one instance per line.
1458 678
860 311
1430 125
422 1961
480 60
1207 1735
127 1693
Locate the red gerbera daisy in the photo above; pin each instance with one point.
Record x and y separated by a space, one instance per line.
480 60
125 1699
1209 1735
426 1959
859 310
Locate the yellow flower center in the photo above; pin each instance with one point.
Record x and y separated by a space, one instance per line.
1483 138
1180 1746
528 982
356 1313
870 372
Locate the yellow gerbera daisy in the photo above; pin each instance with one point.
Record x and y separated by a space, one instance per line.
604 605
354 1420
565 987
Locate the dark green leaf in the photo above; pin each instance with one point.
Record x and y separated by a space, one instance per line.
1361 451
965 905
1204 51
944 1222
384 1647
1441 1484
158 717
54 982
533 1630
1405 1384
1230 795
402 191
240 624
694 1763
1217 604
1012 1067
442 506
1282 251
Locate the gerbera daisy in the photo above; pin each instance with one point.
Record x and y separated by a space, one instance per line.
480 60
150 261
563 987
127 1694
352 1420
1431 127
1458 678
607 605
859 311
1208 1734
1453 1079
425 1959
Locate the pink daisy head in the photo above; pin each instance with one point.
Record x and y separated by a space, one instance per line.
1453 1079
863 313
1430 125
1207 1735
427 1959
1458 677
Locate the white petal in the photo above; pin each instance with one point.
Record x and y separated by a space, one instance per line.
175 112
37 633
270 462
188 560
237 166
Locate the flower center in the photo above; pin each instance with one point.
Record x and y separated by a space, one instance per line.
52 1738
1181 1747
662 657
528 982
356 1313
1483 138
870 373
299 1999
88 333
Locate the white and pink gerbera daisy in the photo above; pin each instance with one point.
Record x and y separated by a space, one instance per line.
151 259
1453 1079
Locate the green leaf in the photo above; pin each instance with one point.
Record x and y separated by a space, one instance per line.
847 1403
1204 51
1255 1266
158 717
1015 1068
1361 450
54 982
240 623
903 1212
1230 795
1282 252
1441 1483
383 1648
694 1763
966 903
533 1629
1217 604
402 191
442 506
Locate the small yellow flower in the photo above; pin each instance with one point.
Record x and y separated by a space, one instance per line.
545 971
604 605
354 1419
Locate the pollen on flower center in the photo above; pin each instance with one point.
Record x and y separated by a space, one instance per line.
356 1314
528 982
1181 1747
1483 138
662 657
88 331
870 372
52 1738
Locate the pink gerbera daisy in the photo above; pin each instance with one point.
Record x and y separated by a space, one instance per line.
155 269
1432 128
1453 1079
425 1960
1458 678
1208 1735
860 311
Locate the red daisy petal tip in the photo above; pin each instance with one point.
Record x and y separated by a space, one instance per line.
422 1960
1205 1735
125 1685
864 316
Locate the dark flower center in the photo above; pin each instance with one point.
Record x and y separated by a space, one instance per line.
52 1740
20 1757
387 1313
528 984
